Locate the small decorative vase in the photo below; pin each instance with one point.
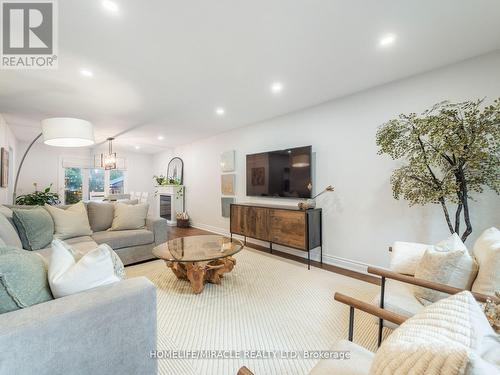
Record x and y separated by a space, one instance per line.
304 205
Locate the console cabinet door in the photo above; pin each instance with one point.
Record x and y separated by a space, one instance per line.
288 228
261 223
238 214
250 221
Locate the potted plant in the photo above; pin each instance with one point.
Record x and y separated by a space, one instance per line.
450 152
160 180
39 198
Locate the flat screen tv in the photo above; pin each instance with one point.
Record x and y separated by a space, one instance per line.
282 173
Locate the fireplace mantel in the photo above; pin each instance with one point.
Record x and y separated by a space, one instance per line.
170 201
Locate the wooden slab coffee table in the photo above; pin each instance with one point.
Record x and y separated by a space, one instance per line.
199 259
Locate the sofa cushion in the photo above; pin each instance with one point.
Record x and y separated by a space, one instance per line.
358 363
487 253
8 232
124 238
23 279
399 298
100 215
70 222
128 216
35 227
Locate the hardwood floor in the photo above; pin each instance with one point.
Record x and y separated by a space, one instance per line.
174 232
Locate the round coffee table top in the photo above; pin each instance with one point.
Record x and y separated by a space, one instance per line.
198 248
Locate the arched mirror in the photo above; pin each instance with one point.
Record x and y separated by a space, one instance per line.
175 171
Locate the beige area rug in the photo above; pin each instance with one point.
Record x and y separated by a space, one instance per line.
265 303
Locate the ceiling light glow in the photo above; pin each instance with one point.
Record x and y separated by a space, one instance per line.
276 87
161 137
110 6
86 73
387 40
220 111
137 147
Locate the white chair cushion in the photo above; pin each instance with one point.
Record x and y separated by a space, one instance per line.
358 363
405 256
399 298
451 336
70 222
487 253
71 272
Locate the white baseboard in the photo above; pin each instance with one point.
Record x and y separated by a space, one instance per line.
315 255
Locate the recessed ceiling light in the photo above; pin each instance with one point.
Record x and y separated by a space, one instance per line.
86 73
387 40
161 137
137 147
276 87
220 111
110 6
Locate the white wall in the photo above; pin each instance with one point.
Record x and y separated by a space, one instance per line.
8 141
43 166
361 218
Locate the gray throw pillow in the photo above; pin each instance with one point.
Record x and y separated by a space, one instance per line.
35 227
100 215
23 279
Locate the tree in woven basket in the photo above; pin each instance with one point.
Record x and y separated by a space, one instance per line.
449 152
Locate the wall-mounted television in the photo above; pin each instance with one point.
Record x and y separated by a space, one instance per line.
282 173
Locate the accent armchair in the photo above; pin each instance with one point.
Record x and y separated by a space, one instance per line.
397 289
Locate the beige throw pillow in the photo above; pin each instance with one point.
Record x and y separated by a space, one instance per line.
451 336
128 216
71 222
447 263
487 253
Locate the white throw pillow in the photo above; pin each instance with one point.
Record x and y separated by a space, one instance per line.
69 276
452 243
405 256
71 222
451 336
454 268
487 253
129 216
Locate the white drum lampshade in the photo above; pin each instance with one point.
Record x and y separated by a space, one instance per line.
67 132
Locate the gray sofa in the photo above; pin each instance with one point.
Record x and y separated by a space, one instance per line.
107 330
132 246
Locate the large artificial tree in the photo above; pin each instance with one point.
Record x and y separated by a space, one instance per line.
449 152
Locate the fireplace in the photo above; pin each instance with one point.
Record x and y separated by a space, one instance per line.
170 201
166 207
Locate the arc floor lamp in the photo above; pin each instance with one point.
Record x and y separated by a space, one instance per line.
60 132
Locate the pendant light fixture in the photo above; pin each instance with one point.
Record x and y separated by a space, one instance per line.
108 161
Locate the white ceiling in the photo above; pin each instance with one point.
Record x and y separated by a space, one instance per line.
161 67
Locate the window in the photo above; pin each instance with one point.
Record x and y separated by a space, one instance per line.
73 188
96 184
116 181
78 182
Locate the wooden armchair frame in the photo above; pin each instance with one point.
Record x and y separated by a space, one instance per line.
379 312
387 274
